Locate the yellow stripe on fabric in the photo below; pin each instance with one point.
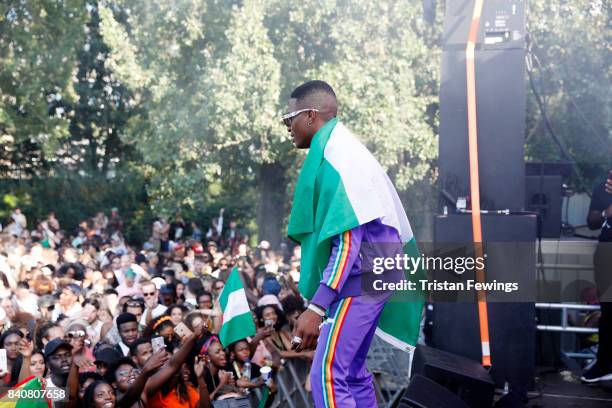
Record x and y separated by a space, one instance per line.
341 261
330 352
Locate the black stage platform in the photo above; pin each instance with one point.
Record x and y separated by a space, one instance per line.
564 390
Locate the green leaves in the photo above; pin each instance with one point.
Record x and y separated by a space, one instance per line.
214 80
571 67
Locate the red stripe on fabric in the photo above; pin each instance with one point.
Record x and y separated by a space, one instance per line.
335 342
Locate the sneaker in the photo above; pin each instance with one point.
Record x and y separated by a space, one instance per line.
596 374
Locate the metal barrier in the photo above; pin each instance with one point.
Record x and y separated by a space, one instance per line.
290 380
564 327
389 366
391 369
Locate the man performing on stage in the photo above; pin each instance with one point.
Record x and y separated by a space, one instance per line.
345 212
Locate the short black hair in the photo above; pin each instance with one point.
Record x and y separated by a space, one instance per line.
232 346
126 318
292 303
138 342
111 375
311 87
202 293
87 375
12 330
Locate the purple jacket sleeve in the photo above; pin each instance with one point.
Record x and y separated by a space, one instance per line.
344 252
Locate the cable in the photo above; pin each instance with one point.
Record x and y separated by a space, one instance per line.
541 106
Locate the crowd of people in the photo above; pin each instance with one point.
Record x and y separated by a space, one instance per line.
91 314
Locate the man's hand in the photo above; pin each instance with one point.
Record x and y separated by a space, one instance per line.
198 366
608 211
26 347
155 362
226 377
307 328
151 303
83 363
199 330
243 382
264 332
609 184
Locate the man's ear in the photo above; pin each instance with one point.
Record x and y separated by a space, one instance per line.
312 115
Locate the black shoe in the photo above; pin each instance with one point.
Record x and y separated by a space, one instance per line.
596 374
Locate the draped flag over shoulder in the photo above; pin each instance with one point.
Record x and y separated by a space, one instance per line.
237 319
33 384
341 186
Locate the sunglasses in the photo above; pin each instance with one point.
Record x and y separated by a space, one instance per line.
128 373
76 334
287 118
149 294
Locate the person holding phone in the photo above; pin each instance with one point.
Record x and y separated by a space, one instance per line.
9 341
215 375
600 217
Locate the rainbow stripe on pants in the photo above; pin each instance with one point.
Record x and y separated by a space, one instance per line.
339 376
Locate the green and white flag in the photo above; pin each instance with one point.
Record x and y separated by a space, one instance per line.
30 393
341 186
237 318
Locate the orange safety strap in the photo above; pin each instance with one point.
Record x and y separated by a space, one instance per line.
474 179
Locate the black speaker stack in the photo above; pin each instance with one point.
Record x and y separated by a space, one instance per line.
452 361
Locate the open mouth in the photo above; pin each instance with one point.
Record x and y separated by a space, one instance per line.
108 404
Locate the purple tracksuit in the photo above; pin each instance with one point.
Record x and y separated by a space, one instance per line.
339 376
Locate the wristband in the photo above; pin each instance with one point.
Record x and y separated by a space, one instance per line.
316 309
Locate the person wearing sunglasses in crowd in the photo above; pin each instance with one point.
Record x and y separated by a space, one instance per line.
82 354
136 306
130 381
153 307
32 361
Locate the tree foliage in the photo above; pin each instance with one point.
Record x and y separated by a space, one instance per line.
184 97
213 113
38 44
570 55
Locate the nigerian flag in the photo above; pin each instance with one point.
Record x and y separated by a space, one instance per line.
237 319
341 186
32 387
